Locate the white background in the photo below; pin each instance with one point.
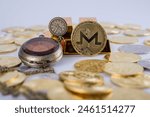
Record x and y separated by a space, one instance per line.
33 12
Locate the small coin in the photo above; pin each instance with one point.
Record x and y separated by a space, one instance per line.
81 76
20 41
8 61
88 38
25 34
58 26
83 19
6 39
133 82
129 27
123 39
137 49
145 64
14 29
88 89
108 24
92 65
123 69
136 33
6 48
122 57
147 42
111 31
38 28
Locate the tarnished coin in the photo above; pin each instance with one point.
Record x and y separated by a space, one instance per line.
6 39
9 61
145 63
137 49
58 26
123 69
81 76
123 39
7 48
14 29
88 38
16 80
92 65
87 89
136 33
111 31
147 42
133 82
122 57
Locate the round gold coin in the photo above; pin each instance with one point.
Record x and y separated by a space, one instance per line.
14 29
111 31
133 82
8 48
81 77
147 42
6 40
129 27
87 89
136 33
107 24
123 39
123 69
122 57
16 80
92 65
38 28
9 61
88 38
20 41
25 34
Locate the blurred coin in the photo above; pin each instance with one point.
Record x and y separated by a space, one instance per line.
81 76
3 34
111 31
147 42
92 65
142 81
122 57
38 28
145 64
123 69
8 61
20 41
137 49
25 34
129 27
107 24
14 29
87 89
136 33
8 48
123 39
6 39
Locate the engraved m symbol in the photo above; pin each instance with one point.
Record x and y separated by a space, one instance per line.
95 36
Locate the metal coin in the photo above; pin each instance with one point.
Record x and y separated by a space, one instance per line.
147 42
82 77
129 27
136 33
137 49
133 82
6 39
107 24
145 63
123 39
8 48
92 65
58 26
122 57
8 61
88 38
111 31
88 89
14 29
123 69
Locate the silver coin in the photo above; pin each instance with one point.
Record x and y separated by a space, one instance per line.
58 26
145 64
137 49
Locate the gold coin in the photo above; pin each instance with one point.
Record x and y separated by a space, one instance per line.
136 33
88 38
111 31
123 39
81 77
147 42
9 61
6 40
16 80
122 57
123 69
92 65
133 82
7 48
129 94
20 41
107 24
4 77
38 28
14 29
86 88
129 27
25 34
